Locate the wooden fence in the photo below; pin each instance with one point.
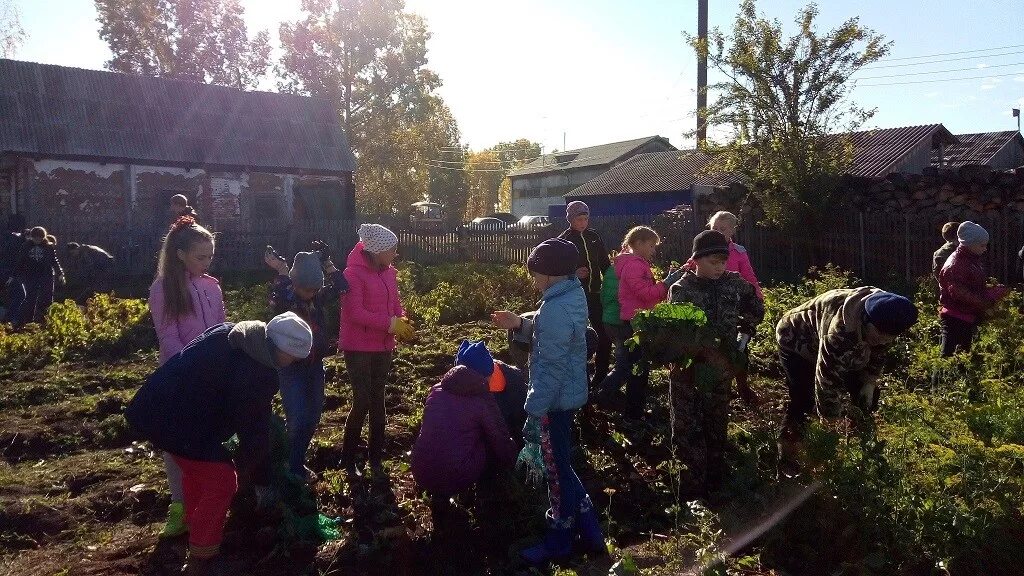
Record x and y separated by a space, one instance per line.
879 248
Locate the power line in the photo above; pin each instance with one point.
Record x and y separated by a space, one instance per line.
953 53
975 69
942 80
943 61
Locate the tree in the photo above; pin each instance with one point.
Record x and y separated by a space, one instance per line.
12 35
785 105
198 40
488 170
369 57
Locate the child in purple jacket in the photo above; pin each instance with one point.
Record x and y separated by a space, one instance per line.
463 432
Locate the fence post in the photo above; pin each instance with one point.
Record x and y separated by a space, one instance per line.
906 246
863 254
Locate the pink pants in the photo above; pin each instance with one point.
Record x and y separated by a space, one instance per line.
208 490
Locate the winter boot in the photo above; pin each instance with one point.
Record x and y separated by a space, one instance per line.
175 525
588 527
556 546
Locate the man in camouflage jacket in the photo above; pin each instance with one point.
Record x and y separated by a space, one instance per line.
700 392
834 345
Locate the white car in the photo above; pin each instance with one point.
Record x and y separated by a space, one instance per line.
529 222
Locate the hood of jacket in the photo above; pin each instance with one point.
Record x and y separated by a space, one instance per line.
464 381
625 258
251 337
854 315
356 259
562 287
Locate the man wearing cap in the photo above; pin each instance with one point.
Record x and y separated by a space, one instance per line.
302 290
833 346
558 387
593 261
964 295
463 432
221 384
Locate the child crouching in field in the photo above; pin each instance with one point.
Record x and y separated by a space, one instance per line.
463 433
220 385
700 392
558 387
302 290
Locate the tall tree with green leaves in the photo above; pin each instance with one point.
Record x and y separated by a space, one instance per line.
198 40
782 109
369 58
488 170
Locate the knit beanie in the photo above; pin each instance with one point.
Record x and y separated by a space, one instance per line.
476 356
890 313
377 238
574 209
554 257
306 271
710 242
290 334
971 233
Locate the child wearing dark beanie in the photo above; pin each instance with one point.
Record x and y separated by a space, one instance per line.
557 388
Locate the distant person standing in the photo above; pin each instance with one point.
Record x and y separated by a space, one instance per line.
593 261
180 207
91 269
38 267
11 245
946 250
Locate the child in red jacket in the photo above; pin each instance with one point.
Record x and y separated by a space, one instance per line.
963 293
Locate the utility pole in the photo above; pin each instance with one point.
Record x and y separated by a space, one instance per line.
702 72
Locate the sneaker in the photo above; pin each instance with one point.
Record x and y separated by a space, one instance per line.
175 525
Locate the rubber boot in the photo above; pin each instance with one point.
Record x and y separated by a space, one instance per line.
175 525
588 528
556 546
747 394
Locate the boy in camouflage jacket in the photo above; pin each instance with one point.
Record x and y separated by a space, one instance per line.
700 392
832 346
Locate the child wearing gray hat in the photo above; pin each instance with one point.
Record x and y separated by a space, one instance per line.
302 289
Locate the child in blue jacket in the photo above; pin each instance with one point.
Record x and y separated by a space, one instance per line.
558 387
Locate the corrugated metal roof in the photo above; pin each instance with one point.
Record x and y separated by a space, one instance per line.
655 172
978 148
876 153
48 110
584 157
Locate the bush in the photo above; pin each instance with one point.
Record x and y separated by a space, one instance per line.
455 293
106 327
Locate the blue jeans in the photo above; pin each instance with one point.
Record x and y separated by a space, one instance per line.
631 367
302 395
621 369
566 494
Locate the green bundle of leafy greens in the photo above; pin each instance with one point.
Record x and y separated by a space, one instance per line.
670 333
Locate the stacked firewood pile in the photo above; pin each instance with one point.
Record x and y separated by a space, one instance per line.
969 192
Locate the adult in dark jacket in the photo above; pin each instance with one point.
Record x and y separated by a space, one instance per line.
10 252
221 384
593 261
38 267
91 269
463 432
302 290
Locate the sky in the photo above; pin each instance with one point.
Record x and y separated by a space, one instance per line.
575 73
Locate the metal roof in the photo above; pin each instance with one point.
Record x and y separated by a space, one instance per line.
55 111
655 172
876 153
978 148
584 157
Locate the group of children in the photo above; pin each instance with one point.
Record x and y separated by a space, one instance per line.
217 379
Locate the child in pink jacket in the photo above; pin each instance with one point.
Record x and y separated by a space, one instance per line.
185 301
638 290
739 262
372 316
